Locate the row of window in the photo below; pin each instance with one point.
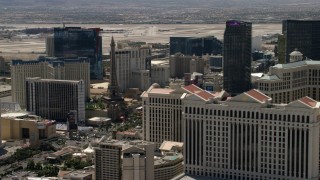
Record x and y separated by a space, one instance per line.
165 101
248 114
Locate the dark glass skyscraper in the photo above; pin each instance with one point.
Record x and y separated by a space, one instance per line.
77 42
237 57
303 35
195 45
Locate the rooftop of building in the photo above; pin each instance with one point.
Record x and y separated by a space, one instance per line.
26 116
296 53
99 119
257 75
192 88
184 176
155 89
309 101
113 142
53 80
235 23
256 94
167 159
4 88
296 64
103 85
170 145
205 95
159 62
64 151
161 91
75 174
55 61
270 77
128 133
14 114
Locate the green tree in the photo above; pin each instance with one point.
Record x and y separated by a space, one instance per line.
38 166
31 165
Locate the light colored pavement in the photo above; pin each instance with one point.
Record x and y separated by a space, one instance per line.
150 33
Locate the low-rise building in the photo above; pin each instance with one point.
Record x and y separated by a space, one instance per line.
62 153
124 160
135 160
22 126
5 90
181 64
168 166
169 146
128 135
77 175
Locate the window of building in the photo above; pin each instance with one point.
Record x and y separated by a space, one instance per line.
25 133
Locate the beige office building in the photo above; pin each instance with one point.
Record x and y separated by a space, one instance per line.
48 68
124 160
54 99
141 79
160 72
29 128
130 63
181 64
162 112
248 137
288 82
162 118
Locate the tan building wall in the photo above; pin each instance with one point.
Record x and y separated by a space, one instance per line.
288 82
168 170
13 129
71 70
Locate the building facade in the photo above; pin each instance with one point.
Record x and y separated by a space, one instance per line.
54 99
124 160
131 60
108 161
141 79
168 166
161 119
5 90
73 42
162 113
197 46
303 35
215 63
248 137
29 128
47 68
288 82
237 57
160 72
180 64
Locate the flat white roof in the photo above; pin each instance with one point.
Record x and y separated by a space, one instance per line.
99 119
13 114
5 88
97 85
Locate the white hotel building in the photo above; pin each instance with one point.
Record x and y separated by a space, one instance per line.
248 137
132 64
162 112
288 82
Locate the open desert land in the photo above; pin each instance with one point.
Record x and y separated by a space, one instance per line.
150 33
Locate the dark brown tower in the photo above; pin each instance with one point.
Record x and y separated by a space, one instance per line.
113 89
